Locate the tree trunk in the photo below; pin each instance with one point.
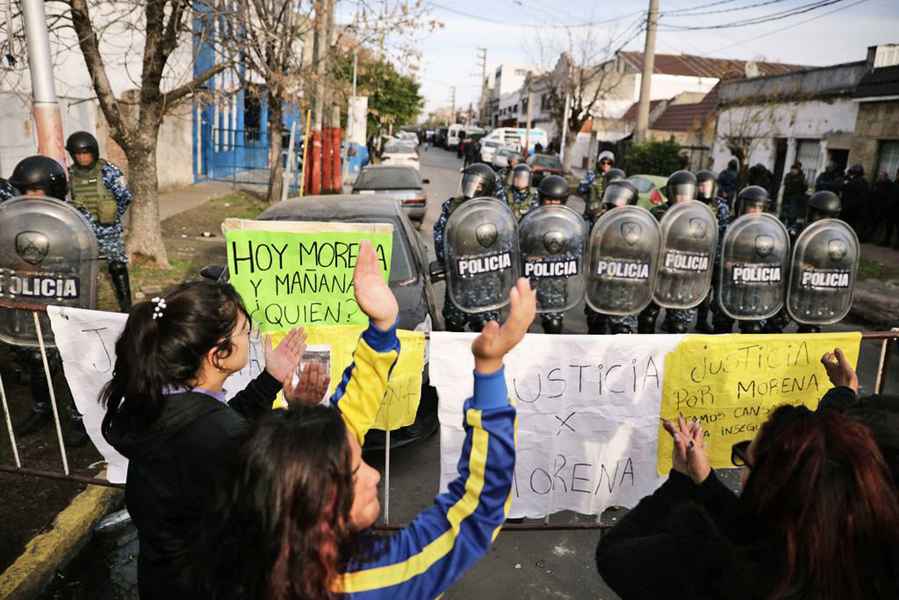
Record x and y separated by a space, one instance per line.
145 235
570 143
276 166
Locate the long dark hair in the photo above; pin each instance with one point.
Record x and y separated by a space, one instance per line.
819 480
152 354
283 529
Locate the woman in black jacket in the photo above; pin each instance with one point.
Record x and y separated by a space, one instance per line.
818 518
167 413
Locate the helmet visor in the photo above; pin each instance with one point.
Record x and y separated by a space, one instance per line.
617 195
706 189
521 179
681 192
473 185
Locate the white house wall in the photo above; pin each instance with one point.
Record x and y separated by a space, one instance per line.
816 120
668 86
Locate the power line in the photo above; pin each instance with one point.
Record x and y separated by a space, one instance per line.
697 11
791 26
484 19
760 20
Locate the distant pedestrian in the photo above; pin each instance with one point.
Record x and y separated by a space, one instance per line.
795 194
856 201
880 200
727 180
892 216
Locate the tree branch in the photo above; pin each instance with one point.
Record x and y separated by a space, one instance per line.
171 98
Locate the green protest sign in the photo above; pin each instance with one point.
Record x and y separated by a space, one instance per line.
293 273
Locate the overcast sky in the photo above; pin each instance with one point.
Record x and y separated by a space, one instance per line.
514 30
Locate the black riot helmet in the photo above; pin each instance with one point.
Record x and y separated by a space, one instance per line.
614 174
40 173
478 180
754 196
681 187
82 141
620 193
823 205
553 187
706 186
521 177
856 170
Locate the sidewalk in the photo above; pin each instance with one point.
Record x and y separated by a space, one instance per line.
876 299
185 198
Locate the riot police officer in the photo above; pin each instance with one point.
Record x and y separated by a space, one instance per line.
822 205
478 180
593 208
40 176
593 177
553 191
98 190
618 193
707 192
753 199
520 195
681 187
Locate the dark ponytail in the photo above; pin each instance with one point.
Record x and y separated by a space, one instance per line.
152 354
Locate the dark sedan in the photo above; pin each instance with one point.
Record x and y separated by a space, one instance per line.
409 280
403 184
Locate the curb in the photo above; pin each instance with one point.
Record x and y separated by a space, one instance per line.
48 551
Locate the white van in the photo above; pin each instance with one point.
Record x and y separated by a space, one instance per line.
453 135
511 137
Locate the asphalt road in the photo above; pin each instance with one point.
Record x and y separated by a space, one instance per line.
521 565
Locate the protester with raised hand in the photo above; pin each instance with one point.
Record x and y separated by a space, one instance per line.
296 524
167 413
817 518
879 412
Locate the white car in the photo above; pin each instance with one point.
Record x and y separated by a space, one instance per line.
502 156
488 150
408 136
400 154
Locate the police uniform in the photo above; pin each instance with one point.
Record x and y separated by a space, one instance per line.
520 201
596 187
455 318
721 208
7 191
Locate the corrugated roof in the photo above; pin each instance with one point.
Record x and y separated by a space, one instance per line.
879 82
685 117
631 114
689 65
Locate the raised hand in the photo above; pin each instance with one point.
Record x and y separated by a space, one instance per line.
689 455
281 362
839 371
373 295
496 340
308 385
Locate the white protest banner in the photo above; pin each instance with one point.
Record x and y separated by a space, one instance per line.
86 342
588 416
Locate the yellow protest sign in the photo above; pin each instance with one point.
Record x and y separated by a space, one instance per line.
731 382
400 404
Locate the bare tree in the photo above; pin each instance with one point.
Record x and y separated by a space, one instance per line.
584 75
742 128
134 123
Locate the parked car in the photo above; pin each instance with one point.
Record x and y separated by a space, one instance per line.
502 157
651 188
543 165
488 150
400 153
410 282
403 184
408 136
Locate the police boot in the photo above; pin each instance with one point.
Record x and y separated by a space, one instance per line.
620 329
808 329
751 327
674 326
118 272
455 323
552 324
596 323
721 323
646 323
702 318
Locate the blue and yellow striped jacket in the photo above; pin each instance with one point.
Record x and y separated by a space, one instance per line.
427 557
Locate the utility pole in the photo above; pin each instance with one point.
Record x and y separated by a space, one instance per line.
527 131
453 110
649 60
482 106
319 52
47 118
565 115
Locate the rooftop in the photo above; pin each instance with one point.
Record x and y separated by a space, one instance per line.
689 65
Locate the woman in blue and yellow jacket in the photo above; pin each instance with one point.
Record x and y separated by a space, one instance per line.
297 522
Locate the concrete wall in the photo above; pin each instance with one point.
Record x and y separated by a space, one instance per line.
763 122
811 83
877 121
19 137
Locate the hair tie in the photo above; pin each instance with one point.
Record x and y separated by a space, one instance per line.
159 308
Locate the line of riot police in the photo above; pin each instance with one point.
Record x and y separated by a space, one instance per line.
687 256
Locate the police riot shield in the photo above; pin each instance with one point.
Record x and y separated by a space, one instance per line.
689 242
823 272
755 255
624 260
481 249
48 255
552 241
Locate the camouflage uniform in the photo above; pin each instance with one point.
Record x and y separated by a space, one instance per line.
110 238
593 206
520 201
677 320
7 191
456 319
